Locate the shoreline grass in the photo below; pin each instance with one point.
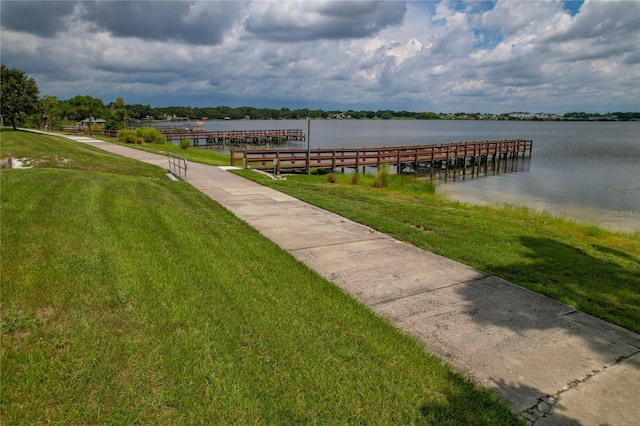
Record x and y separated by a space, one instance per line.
127 298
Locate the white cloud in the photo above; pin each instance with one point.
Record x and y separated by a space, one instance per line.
294 21
445 56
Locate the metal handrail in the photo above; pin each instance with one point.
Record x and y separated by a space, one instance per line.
177 166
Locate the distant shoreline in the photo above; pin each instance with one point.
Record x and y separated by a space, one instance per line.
487 117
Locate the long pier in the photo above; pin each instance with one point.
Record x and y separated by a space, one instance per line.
449 158
201 138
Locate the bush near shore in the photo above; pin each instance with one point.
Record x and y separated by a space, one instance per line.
141 135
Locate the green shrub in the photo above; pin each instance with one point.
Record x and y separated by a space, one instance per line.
139 141
151 135
184 143
382 177
127 136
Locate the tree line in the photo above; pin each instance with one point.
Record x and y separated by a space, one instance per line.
21 105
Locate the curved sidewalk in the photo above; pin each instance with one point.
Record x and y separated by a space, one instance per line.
547 361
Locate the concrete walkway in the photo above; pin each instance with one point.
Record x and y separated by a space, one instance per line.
547 361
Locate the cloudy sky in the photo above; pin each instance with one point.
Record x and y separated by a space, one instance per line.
440 56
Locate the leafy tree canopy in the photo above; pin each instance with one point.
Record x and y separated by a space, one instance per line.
82 107
18 95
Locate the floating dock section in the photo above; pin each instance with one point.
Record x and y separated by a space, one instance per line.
450 159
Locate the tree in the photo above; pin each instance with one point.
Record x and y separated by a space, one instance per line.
80 107
50 110
18 95
139 110
119 115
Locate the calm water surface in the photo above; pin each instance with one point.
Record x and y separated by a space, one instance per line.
584 170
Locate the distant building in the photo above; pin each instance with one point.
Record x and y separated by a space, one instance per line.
90 122
521 115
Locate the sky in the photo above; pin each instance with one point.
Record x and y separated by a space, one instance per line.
440 56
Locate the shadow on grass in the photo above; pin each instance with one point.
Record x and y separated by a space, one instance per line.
533 346
603 286
614 252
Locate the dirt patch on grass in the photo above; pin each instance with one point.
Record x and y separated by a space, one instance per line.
28 163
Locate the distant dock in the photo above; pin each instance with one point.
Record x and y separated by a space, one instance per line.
201 138
450 159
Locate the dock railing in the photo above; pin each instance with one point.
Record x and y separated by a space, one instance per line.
200 137
401 156
93 132
177 166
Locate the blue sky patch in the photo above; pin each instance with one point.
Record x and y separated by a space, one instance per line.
573 6
472 6
486 39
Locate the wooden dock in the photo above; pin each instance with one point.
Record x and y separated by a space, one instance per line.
91 132
451 158
201 138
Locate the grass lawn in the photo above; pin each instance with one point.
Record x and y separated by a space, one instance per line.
127 298
591 269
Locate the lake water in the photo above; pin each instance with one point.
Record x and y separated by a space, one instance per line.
583 170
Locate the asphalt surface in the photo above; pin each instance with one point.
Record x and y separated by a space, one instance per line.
550 363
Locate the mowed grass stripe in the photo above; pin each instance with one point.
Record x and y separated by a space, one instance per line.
130 299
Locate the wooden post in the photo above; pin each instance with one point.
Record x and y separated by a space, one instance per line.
455 162
493 159
446 166
464 164
308 145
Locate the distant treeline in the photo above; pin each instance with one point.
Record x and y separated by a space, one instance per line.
251 113
619 116
117 114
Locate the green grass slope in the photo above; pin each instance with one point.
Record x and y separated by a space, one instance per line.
127 298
